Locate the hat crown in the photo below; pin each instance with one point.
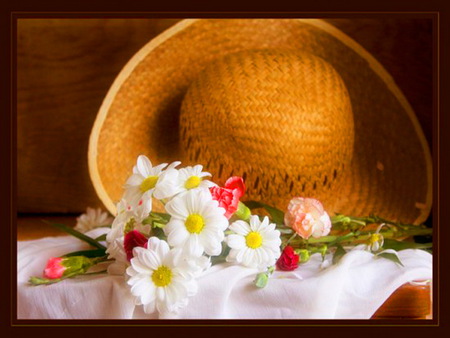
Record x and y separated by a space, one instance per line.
273 116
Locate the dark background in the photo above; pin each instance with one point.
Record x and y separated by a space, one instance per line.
66 66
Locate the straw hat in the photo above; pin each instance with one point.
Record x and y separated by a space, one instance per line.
293 105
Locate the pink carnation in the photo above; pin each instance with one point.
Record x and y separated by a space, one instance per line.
307 217
236 184
228 196
54 268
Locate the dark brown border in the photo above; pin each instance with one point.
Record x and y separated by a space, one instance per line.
8 126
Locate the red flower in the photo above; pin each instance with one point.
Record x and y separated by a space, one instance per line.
133 239
236 184
288 260
228 196
54 268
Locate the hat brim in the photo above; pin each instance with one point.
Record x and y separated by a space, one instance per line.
390 173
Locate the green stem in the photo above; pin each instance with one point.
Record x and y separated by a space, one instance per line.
343 222
290 239
95 273
364 236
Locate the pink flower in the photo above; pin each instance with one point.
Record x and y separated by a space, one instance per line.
236 184
134 239
54 268
228 196
288 260
307 217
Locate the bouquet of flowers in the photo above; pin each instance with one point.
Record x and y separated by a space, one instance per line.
162 254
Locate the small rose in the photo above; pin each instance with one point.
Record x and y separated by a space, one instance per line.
58 267
54 268
229 195
132 240
307 217
288 260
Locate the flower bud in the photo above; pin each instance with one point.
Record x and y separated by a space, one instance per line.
261 279
243 212
303 254
288 260
58 267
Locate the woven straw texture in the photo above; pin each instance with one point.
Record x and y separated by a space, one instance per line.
280 119
350 138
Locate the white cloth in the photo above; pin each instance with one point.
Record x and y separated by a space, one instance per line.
352 289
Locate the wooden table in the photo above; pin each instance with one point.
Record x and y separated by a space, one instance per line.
410 301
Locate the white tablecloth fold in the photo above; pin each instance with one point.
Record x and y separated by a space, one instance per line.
352 289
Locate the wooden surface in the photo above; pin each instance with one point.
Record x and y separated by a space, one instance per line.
66 66
410 301
407 302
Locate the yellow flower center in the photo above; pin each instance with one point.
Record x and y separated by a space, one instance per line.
253 240
162 276
194 223
148 183
192 182
374 238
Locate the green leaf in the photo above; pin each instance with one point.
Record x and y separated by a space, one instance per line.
158 225
76 234
276 214
160 216
400 245
159 232
391 256
338 254
87 253
101 238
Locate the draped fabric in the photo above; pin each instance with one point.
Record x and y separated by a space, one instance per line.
352 289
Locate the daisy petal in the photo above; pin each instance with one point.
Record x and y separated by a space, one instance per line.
134 180
236 241
178 236
159 246
144 165
240 227
150 307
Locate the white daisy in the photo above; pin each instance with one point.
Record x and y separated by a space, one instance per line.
116 250
161 278
190 178
145 181
256 245
197 223
128 219
93 218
